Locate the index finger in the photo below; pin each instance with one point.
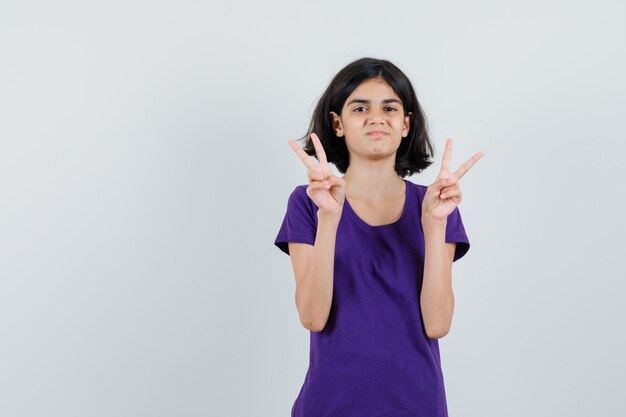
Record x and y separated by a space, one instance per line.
301 154
447 154
467 165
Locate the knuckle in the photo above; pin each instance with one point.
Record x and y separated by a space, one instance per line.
314 173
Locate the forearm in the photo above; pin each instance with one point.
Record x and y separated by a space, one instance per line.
315 290
437 298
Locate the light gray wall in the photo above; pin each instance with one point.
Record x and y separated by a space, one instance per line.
145 170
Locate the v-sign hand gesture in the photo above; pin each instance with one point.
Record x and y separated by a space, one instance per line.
444 194
326 190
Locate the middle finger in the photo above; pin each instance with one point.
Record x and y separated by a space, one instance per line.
319 149
468 164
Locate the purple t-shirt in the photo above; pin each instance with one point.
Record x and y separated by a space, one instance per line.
373 358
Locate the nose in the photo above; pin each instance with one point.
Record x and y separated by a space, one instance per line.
376 116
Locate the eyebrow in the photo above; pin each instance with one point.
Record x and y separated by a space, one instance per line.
385 101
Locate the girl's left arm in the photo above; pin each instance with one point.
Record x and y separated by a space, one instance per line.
437 298
440 199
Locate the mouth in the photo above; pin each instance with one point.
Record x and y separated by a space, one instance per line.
377 133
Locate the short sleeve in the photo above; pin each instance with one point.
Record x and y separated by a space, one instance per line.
455 232
300 221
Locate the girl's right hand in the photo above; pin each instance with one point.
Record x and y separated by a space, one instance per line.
325 189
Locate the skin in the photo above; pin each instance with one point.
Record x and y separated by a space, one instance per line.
371 176
441 198
313 265
325 189
374 106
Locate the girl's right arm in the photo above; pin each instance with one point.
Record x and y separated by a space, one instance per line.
314 270
313 265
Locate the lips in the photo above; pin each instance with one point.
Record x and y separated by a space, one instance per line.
376 133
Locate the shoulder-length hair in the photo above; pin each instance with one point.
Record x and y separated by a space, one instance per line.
415 151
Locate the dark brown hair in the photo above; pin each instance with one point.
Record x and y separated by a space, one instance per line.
415 151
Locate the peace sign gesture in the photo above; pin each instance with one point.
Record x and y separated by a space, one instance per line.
326 190
444 194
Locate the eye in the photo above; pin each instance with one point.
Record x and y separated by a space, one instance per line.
391 107
356 109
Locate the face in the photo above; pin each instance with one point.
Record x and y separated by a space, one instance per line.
372 120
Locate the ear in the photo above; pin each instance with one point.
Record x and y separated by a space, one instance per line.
337 125
407 125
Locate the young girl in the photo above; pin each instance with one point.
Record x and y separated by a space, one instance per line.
372 252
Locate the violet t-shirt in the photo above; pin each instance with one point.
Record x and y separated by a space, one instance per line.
373 358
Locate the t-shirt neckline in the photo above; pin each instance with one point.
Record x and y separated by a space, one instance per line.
405 211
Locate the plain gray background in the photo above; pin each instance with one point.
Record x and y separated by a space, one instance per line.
145 171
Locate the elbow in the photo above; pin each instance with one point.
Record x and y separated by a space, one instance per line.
312 317
437 320
437 334
311 321
312 326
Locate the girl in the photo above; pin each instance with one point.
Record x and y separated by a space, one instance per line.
372 252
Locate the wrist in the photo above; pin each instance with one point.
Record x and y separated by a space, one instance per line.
431 224
329 216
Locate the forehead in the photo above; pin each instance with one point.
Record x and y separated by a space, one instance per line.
375 89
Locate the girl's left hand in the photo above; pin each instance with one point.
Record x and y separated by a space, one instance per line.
444 194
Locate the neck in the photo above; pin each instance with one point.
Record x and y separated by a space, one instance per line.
373 180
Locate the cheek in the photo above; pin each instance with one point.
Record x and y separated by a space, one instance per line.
398 123
353 123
